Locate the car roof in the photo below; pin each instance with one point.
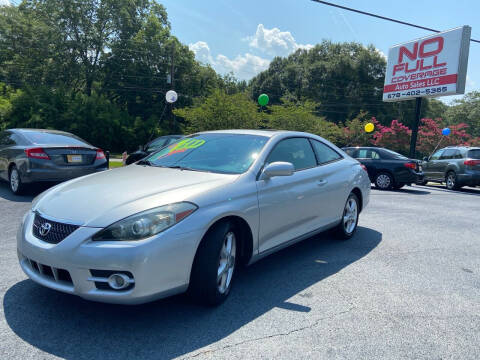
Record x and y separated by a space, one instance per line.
263 132
49 131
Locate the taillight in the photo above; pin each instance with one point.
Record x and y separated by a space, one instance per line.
37 153
363 167
410 165
100 155
471 162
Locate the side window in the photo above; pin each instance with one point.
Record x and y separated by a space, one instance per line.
6 139
448 154
325 154
375 155
350 152
297 151
437 155
363 154
458 155
3 138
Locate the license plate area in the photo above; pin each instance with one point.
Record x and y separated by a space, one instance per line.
74 159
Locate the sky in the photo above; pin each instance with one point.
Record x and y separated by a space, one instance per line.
244 36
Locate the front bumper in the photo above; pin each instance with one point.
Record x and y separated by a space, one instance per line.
160 266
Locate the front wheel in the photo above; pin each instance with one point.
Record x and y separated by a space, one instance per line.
347 227
214 265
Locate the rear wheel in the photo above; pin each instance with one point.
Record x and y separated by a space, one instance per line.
16 185
384 181
214 266
451 182
347 227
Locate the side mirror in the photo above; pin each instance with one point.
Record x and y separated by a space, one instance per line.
278 168
425 159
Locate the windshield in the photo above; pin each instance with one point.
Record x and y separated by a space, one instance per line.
474 154
211 152
395 154
45 138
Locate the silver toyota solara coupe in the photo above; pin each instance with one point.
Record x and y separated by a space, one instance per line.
188 215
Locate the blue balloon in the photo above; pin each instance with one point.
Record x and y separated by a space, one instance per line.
446 132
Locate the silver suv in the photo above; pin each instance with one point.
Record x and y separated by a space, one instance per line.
456 166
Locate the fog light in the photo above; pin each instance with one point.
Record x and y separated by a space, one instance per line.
118 281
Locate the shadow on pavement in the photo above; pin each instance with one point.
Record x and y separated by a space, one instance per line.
464 190
72 328
30 193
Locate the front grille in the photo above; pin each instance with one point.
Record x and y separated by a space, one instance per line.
58 275
56 231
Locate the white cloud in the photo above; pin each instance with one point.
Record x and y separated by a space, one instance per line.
275 42
243 66
4 2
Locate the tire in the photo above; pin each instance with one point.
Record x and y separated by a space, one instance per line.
16 185
384 181
423 183
344 231
398 186
207 287
451 182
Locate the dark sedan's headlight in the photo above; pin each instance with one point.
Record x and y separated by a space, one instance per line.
147 223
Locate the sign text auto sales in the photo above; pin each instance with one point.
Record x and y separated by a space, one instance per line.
431 66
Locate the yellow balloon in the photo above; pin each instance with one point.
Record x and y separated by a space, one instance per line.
369 127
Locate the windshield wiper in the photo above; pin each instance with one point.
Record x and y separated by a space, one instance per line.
185 168
145 162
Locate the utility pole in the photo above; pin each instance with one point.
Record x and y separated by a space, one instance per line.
413 141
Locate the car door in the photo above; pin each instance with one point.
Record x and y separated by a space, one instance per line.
443 162
430 167
288 205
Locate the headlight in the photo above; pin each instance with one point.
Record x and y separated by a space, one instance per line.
146 223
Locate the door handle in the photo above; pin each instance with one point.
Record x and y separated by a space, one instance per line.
322 182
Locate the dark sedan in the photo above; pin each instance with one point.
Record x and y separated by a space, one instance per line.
33 155
386 168
151 147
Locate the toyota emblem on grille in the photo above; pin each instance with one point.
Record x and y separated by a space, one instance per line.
45 229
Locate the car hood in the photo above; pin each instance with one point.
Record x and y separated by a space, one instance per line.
101 199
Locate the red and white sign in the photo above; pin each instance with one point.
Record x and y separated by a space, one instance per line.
431 66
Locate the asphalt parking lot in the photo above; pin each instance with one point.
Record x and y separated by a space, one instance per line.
406 286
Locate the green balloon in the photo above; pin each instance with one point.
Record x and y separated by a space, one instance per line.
263 99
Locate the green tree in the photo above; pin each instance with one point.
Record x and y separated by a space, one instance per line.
466 110
221 111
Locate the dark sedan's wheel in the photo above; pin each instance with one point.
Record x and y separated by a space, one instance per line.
214 265
451 181
384 181
15 181
348 225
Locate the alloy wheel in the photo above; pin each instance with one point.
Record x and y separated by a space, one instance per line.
383 181
14 180
226 263
451 181
350 215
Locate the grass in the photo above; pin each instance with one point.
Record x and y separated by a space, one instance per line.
115 164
